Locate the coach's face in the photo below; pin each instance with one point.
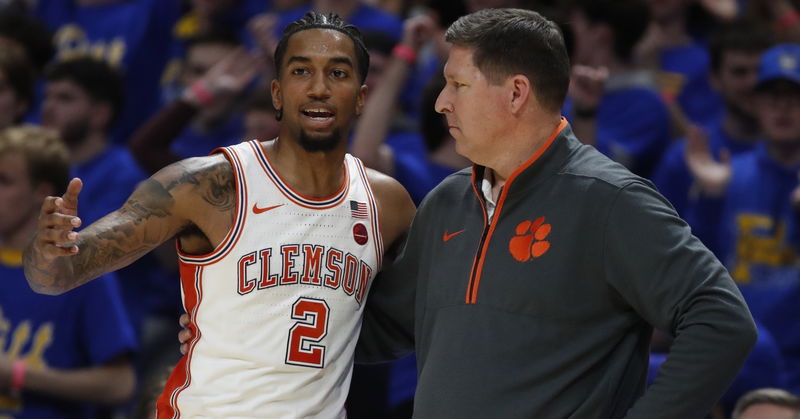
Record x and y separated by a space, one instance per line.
476 109
318 88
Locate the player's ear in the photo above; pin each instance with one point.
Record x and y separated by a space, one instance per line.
275 89
361 99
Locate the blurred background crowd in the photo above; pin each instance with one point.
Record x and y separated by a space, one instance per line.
702 97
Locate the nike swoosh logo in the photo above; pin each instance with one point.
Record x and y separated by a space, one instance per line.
257 210
446 237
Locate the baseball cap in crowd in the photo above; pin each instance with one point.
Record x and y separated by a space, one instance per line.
781 62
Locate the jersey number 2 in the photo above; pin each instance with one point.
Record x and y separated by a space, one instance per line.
311 327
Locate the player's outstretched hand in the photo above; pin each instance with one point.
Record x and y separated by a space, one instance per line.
55 235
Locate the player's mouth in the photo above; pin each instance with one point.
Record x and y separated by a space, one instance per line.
319 116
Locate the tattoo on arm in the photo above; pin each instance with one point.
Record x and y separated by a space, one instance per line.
146 220
218 188
215 183
126 234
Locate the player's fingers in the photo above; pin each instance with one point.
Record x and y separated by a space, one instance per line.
70 197
184 335
59 237
52 250
183 320
184 348
59 221
49 205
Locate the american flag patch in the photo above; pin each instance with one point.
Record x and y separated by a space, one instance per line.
358 209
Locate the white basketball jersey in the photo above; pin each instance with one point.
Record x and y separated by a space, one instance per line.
277 306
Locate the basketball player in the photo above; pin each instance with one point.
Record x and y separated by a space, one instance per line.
278 242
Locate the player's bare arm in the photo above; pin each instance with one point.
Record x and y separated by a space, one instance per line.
395 207
195 192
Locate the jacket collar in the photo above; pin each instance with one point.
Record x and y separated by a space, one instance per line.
545 161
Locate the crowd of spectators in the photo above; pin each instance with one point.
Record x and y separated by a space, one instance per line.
701 97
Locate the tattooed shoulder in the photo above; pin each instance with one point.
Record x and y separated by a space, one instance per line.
217 185
210 178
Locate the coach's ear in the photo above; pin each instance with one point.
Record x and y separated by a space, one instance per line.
519 90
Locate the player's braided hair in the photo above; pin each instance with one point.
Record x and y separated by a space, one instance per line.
314 20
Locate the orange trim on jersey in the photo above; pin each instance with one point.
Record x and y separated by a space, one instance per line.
180 377
377 239
296 197
240 208
473 296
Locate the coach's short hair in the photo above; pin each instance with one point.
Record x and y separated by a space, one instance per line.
506 42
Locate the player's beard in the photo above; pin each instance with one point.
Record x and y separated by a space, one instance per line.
320 144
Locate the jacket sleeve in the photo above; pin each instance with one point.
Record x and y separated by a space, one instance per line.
703 215
387 331
676 284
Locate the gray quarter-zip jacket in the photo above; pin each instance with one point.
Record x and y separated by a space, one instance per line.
546 310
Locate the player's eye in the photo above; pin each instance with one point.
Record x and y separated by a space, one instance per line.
299 71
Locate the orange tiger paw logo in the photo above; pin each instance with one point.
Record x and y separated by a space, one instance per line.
530 240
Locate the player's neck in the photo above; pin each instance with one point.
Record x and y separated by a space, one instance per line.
312 174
